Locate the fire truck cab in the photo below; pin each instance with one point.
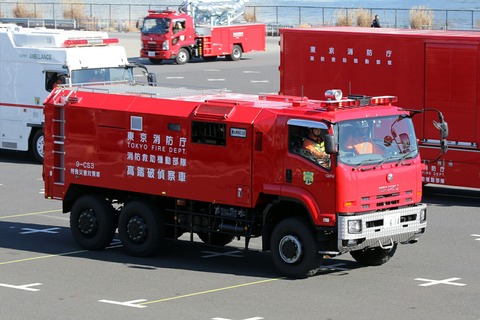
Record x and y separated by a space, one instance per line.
35 60
159 163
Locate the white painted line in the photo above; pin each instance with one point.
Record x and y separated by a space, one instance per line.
30 230
246 71
435 282
211 70
476 235
169 78
25 287
132 303
258 81
212 80
212 254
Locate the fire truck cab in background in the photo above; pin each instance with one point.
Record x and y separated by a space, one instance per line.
426 69
33 61
226 165
199 29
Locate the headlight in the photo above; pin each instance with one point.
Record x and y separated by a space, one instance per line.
165 45
423 215
354 226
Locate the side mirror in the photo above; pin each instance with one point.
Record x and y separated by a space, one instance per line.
139 24
329 142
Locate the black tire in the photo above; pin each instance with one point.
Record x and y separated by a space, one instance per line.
294 250
216 239
182 56
155 61
236 53
37 145
141 229
92 222
374 256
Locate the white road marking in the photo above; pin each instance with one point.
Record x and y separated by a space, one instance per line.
212 254
476 235
435 282
30 230
25 287
132 303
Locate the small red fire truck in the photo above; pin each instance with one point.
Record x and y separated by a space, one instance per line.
158 163
424 68
168 34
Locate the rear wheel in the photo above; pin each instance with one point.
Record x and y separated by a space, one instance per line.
182 57
293 249
374 256
37 144
236 53
92 222
141 228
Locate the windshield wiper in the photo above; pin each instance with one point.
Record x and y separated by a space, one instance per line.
365 162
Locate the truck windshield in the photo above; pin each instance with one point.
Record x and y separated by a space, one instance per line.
376 141
158 26
101 75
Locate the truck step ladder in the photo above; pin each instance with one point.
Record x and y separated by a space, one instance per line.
58 132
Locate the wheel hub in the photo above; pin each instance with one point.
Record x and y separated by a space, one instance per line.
290 249
87 222
137 229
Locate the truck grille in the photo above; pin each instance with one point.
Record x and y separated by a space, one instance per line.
389 200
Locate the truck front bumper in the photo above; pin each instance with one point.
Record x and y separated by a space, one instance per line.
381 229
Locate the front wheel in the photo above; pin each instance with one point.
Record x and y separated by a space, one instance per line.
182 56
141 228
92 222
294 250
373 256
236 53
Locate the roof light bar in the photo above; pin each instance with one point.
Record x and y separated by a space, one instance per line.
89 42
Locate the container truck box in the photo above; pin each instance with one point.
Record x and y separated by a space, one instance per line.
168 34
424 68
162 162
33 61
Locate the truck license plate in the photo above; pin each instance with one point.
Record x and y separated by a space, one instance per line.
391 220
151 53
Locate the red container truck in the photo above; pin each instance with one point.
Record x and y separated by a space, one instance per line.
424 68
158 163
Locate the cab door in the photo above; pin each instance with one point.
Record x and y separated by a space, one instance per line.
307 172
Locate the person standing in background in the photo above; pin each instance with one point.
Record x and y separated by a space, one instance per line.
376 22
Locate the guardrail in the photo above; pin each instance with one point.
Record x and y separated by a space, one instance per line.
123 17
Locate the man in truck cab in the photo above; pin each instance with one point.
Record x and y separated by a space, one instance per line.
315 145
357 139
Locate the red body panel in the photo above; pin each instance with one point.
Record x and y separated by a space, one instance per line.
425 69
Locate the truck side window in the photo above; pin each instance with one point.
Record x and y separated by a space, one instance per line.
209 133
308 143
50 79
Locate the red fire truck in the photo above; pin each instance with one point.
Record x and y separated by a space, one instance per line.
158 163
424 68
167 34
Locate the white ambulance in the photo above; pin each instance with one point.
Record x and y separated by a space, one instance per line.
34 60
